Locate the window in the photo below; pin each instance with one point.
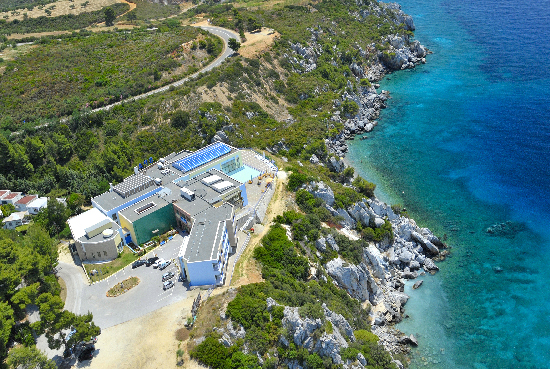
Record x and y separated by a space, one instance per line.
114 216
99 254
105 253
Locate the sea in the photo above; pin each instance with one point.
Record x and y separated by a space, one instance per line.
464 144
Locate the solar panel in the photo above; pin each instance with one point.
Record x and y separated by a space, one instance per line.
201 157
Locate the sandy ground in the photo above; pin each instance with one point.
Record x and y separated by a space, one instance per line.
258 42
145 342
61 7
95 28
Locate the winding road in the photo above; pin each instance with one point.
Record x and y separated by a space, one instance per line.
225 35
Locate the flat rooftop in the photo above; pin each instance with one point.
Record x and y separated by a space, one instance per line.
101 237
111 200
207 191
205 236
78 224
144 207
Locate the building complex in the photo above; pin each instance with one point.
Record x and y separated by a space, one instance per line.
195 192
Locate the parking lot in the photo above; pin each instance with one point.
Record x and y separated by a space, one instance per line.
140 300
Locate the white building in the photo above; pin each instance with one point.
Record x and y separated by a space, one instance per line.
14 220
23 202
36 205
97 237
204 253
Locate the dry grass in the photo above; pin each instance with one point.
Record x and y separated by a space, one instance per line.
248 270
123 287
182 334
62 7
63 293
208 316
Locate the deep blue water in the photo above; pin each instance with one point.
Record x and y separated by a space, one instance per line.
464 144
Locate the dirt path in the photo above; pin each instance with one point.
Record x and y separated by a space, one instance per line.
247 269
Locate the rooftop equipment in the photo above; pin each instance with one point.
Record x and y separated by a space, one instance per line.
211 180
222 186
187 194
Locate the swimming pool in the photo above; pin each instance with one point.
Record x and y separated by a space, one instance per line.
244 173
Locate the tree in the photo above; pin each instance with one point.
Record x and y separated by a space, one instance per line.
29 358
6 323
109 16
180 119
234 44
7 209
132 16
350 108
75 202
53 217
34 149
363 186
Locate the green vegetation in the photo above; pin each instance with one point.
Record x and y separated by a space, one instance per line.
89 69
109 16
125 258
29 357
65 22
146 11
234 44
31 258
286 274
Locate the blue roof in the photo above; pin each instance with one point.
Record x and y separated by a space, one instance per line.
201 157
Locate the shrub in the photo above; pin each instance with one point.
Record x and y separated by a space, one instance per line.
296 180
365 187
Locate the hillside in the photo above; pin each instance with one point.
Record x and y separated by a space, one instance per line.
298 98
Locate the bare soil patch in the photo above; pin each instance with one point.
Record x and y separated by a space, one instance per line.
61 8
258 42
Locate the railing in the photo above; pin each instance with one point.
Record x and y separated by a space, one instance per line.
239 253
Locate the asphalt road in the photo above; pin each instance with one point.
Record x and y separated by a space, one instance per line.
224 33
140 300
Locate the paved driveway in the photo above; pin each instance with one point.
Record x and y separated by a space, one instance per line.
140 300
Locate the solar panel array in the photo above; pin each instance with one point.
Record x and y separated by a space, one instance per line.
201 157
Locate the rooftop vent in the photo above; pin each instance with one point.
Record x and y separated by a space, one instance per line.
145 207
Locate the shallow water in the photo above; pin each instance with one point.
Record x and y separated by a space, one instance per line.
465 144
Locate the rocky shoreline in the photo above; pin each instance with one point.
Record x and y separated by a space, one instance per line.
379 279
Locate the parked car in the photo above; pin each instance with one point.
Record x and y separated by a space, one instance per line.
87 353
164 264
138 263
166 285
158 263
167 276
151 261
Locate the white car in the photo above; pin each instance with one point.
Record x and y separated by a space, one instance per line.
158 262
164 264
166 285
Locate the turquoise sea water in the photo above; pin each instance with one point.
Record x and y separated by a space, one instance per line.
465 144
